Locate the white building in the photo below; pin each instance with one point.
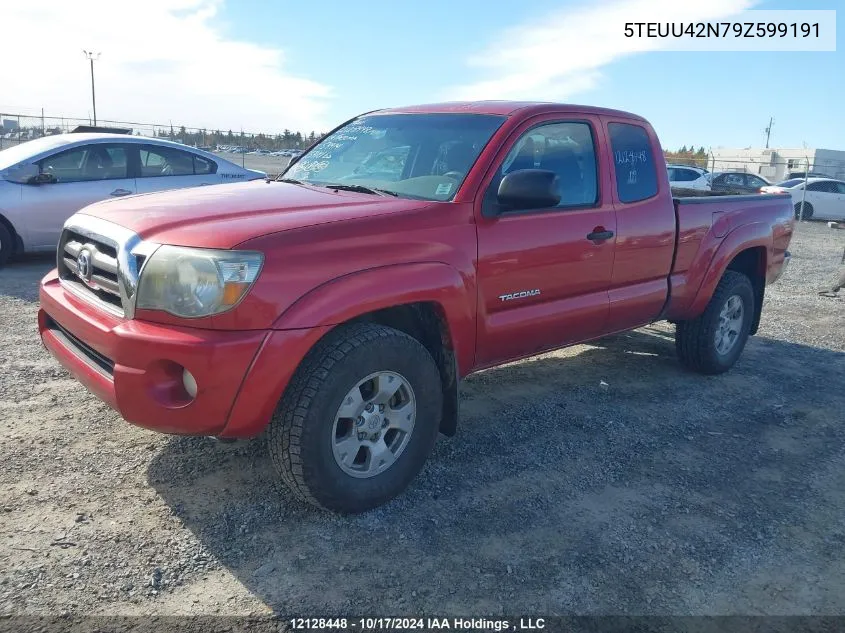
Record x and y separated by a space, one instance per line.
775 163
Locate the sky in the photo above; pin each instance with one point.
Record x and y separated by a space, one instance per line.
269 65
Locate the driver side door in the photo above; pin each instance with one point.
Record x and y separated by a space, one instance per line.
83 175
543 282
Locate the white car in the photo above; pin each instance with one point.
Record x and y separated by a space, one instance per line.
45 181
823 200
686 177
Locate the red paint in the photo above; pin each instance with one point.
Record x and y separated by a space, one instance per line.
333 256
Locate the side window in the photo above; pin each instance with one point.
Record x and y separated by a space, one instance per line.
204 166
823 187
840 187
636 176
753 181
736 180
568 149
89 162
165 161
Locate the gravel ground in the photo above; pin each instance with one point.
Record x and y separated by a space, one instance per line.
600 479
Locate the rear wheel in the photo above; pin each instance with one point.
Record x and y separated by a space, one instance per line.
808 211
358 420
712 343
6 244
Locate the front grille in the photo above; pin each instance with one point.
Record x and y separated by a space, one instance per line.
88 354
101 262
99 279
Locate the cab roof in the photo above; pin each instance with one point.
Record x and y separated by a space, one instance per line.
506 108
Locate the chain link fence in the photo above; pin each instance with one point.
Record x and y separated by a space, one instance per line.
772 165
17 128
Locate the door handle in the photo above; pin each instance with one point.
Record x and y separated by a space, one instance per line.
599 236
120 192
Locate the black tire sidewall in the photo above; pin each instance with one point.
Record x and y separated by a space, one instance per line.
740 286
6 245
324 478
808 211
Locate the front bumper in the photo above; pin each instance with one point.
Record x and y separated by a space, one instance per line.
787 257
136 366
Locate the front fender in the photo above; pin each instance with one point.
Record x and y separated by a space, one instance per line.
355 294
742 238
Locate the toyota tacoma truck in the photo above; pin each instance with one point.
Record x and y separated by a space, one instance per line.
336 308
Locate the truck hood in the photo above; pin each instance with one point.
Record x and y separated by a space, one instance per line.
223 216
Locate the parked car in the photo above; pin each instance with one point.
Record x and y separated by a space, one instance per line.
43 182
823 200
340 315
803 174
737 181
686 177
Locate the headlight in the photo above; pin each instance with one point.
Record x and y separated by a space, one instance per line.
196 282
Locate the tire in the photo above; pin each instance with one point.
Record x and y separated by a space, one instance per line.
808 210
302 436
7 244
696 340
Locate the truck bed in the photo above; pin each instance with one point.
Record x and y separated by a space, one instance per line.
704 222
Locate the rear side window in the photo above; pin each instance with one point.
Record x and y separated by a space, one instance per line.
204 166
636 176
677 174
166 161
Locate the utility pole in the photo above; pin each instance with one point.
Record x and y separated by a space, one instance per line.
769 131
90 56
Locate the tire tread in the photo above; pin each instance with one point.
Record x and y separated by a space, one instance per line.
694 338
285 430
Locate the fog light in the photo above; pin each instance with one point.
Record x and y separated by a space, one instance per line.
189 382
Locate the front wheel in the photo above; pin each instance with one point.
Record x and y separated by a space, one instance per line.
6 244
358 420
712 342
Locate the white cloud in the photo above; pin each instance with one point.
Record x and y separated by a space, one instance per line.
562 54
161 60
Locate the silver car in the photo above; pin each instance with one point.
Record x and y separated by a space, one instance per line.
45 181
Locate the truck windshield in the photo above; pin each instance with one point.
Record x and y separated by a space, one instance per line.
423 156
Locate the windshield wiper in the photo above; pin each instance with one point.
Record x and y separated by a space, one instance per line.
292 181
363 189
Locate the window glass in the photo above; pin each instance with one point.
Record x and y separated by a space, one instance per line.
823 186
389 164
568 149
687 175
89 162
840 187
734 179
165 161
204 166
753 181
636 176
425 156
790 183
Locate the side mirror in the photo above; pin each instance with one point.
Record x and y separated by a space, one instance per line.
42 179
24 174
529 189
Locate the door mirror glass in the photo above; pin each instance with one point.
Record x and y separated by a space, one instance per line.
529 189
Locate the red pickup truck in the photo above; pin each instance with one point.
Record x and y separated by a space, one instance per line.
339 305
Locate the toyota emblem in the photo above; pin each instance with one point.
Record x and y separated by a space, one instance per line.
83 265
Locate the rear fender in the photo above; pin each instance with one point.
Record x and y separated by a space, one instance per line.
738 240
356 294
